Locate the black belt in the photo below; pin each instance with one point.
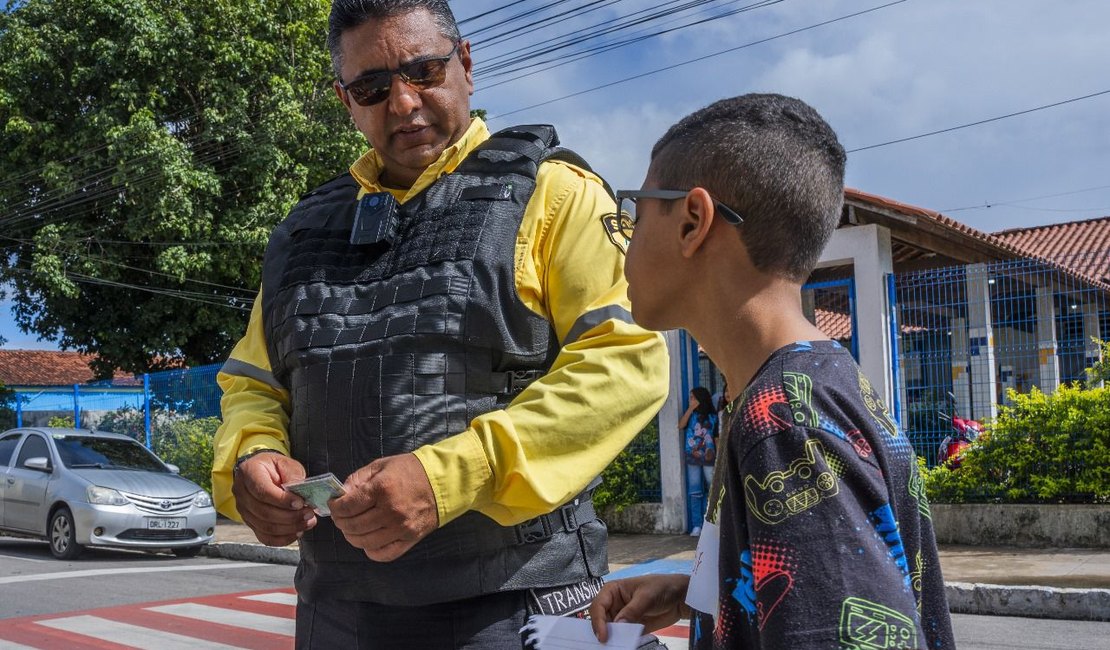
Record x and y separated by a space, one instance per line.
567 518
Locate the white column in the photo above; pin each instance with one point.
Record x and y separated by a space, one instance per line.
672 465
867 249
980 344
961 379
1048 361
1092 353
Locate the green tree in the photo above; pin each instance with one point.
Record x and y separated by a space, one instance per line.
147 149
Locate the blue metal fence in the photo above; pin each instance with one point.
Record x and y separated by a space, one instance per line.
129 405
969 334
963 336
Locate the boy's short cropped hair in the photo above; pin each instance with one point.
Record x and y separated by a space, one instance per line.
771 158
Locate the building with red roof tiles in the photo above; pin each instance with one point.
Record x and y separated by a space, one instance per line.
41 368
51 383
1081 245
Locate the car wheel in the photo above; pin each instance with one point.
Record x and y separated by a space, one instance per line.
187 551
63 536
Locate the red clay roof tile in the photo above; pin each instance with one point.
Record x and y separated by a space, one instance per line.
44 368
1080 245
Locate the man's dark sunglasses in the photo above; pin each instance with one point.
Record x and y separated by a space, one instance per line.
727 213
373 87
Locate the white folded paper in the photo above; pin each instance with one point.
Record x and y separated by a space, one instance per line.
565 633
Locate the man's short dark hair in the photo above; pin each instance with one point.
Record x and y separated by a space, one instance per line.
348 14
771 158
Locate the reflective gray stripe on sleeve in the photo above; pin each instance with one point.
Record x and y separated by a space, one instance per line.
244 369
592 319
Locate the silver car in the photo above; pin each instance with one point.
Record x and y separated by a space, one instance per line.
79 488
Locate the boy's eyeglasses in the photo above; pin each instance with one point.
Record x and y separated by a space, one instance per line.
727 213
373 88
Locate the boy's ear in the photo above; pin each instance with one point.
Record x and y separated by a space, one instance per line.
697 219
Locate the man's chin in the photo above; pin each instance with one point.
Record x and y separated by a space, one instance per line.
421 156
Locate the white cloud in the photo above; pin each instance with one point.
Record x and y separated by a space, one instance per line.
904 70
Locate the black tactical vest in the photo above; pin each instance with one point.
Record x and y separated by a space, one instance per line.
385 348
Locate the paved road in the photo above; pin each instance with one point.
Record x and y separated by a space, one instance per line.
32 582
263 620
112 599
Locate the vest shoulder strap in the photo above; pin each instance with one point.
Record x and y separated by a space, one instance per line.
535 142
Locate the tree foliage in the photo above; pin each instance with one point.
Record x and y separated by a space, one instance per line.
147 149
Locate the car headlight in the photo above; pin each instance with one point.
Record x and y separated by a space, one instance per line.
202 500
103 496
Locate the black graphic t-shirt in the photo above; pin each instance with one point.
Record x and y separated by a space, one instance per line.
825 535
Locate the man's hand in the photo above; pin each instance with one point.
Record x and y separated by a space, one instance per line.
655 601
277 517
389 507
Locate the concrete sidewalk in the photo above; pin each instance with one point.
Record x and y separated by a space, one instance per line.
1039 583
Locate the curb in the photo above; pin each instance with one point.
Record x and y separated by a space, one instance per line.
963 597
1033 602
253 553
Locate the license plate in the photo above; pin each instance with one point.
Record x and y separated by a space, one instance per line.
165 523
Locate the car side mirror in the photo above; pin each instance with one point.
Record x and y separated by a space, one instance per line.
173 468
38 463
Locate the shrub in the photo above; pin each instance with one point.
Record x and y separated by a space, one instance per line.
7 407
129 421
189 444
1042 449
61 421
634 469
1099 373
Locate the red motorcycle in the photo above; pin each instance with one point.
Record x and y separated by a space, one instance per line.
964 432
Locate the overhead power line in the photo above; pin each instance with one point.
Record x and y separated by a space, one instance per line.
517 32
986 121
1011 202
487 13
696 60
524 14
214 299
641 36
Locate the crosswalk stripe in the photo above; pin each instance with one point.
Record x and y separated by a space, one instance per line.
93 573
249 620
676 637
277 598
228 623
126 634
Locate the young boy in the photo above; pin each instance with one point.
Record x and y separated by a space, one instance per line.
817 516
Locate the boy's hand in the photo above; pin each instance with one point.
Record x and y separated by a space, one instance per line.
654 601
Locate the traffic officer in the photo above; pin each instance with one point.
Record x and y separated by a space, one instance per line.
446 329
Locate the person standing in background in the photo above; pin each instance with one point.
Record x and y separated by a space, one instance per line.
699 427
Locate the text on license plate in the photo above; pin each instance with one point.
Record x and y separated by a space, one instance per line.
165 523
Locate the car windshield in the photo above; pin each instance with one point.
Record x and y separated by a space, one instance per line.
105 453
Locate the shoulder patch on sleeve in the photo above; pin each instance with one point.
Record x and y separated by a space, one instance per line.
619 229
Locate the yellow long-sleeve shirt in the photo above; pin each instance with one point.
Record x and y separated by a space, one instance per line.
608 380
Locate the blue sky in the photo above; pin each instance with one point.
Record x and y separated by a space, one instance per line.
910 68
